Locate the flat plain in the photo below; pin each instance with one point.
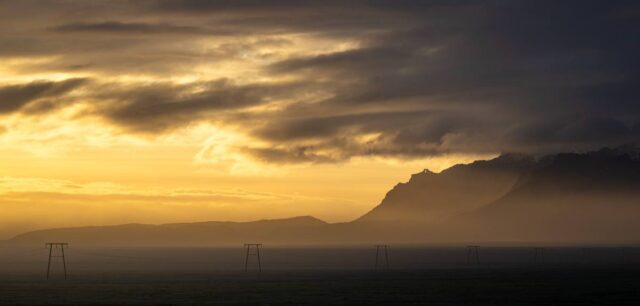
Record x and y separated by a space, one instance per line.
323 276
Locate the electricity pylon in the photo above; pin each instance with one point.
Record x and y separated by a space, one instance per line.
473 254
57 246
256 247
382 250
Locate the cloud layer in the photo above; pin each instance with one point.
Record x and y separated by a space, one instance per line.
326 81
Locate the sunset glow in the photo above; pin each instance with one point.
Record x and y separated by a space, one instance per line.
176 111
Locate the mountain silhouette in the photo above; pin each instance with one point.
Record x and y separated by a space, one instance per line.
182 234
593 196
428 196
564 198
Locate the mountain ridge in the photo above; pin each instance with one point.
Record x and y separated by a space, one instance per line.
482 180
514 197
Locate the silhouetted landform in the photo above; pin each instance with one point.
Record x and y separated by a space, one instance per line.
200 233
566 198
591 197
432 196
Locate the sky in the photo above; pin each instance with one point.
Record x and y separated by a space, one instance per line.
158 111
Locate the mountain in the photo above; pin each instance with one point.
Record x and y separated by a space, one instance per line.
593 196
562 198
428 197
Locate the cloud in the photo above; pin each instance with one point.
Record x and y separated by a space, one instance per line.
16 97
480 78
579 132
300 154
402 79
160 107
127 28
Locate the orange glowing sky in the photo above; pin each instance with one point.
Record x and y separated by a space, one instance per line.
67 160
159 111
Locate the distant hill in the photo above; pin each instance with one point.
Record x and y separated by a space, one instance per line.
182 234
561 198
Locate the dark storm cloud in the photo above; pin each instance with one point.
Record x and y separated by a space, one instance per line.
15 98
332 17
424 77
557 132
505 64
409 134
295 154
124 28
363 123
160 107
252 6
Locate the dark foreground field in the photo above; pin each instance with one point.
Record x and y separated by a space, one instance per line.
324 276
